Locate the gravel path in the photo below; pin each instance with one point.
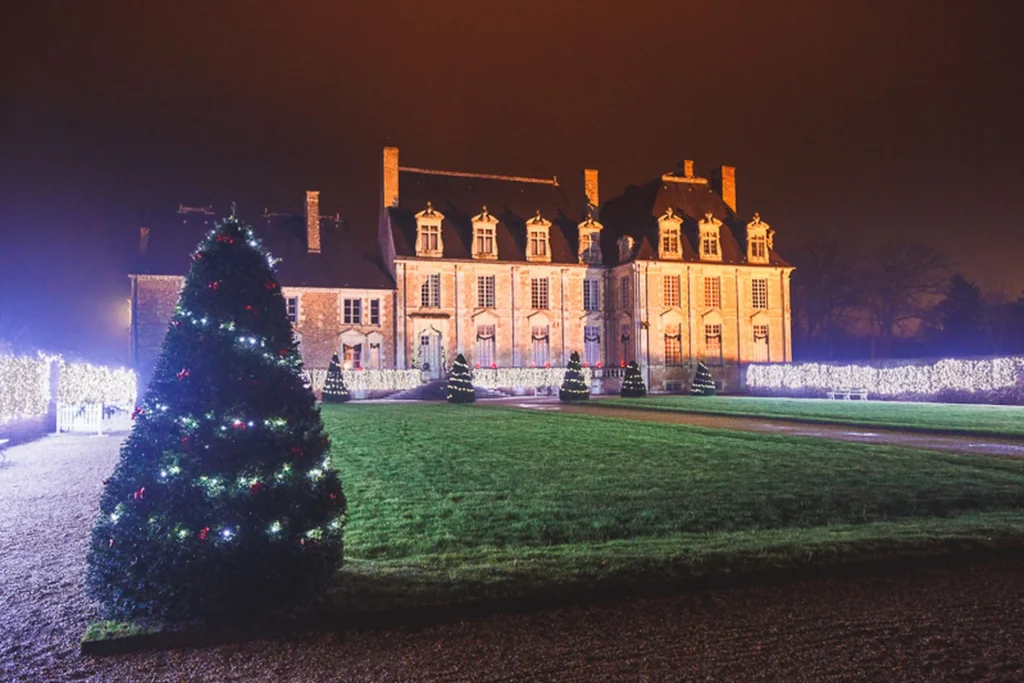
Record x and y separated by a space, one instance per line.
977 445
954 623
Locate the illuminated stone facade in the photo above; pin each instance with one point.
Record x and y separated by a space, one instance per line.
514 272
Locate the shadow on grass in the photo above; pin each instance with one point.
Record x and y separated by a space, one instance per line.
412 595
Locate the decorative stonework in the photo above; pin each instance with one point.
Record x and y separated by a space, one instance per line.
429 243
538 239
625 245
710 238
590 241
485 235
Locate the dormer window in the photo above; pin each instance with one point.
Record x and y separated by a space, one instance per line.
759 240
710 238
538 243
485 227
590 240
428 233
625 248
669 235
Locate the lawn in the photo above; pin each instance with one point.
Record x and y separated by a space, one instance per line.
449 503
991 420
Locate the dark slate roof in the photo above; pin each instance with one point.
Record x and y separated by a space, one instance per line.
347 258
635 213
512 202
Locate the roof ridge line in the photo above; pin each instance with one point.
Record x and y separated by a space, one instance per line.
488 176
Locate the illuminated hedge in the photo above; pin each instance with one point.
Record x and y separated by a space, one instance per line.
369 380
84 383
527 378
991 379
24 387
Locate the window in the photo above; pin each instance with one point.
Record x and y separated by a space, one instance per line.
712 292
709 244
538 243
485 351
590 247
759 293
670 290
758 248
353 356
669 241
353 312
541 346
761 344
430 292
624 291
592 345
713 344
485 239
375 312
292 304
430 237
539 292
673 344
625 347
485 291
591 295
374 360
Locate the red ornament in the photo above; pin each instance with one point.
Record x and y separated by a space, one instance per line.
269 285
138 411
494 366
622 363
196 256
183 373
248 307
138 495
257 487
185 439
282 352
334 496
215 285
203 532
226 239
296 451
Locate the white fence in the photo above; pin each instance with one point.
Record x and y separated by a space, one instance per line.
80 417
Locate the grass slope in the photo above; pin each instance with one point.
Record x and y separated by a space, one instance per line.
452 502
993 420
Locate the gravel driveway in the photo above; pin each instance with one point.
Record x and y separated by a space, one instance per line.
956 623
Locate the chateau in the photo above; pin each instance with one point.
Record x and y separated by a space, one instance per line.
514 272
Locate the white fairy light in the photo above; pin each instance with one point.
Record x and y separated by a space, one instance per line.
275 528
227 534
890 380
24 387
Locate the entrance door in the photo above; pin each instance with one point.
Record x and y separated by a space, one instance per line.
430 354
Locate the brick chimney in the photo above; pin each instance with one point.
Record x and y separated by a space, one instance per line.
313 221
590 189
723 181
389 177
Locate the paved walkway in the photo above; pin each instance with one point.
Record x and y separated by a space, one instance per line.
979 445
963 622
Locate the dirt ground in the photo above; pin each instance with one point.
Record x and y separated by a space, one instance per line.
964 621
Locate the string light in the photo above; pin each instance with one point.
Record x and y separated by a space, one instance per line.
504 378
921 381
368 380
24 387
86 383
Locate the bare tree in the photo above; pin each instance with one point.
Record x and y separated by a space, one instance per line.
824 293
898 285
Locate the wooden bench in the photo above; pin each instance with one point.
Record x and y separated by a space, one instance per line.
848 394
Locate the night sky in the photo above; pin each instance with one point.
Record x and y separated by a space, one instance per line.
881 120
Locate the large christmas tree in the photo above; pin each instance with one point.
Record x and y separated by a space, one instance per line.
335 390
633 383
460 382
703 384
224 502
574 385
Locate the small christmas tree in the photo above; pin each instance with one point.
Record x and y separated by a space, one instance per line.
223 502
633 383
335 390
703 384
460 382
574 386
